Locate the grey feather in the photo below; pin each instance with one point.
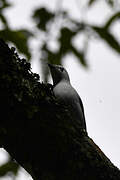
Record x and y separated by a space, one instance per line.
67 95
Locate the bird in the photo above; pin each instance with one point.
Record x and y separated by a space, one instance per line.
67 95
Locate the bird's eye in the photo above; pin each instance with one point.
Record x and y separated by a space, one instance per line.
61 69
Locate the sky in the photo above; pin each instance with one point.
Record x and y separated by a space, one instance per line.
98 86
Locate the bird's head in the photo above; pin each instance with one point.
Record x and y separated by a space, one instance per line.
58 73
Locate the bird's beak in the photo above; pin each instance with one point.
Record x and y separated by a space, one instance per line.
52 70
50 66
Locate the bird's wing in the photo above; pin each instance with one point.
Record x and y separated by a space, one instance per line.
82 108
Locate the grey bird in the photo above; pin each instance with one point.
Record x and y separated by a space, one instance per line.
67 95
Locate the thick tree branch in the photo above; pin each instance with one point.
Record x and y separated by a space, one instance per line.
39 133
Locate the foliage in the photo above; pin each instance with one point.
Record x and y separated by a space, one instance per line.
17 37
67 29
59 29
10 166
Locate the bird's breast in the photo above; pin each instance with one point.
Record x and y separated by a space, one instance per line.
67 95
65 92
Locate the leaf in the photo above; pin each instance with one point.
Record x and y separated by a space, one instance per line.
9 167
66 40
4 4
42 17
111 3
107 37
112 20
4 20
91 2
80 56
19 38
